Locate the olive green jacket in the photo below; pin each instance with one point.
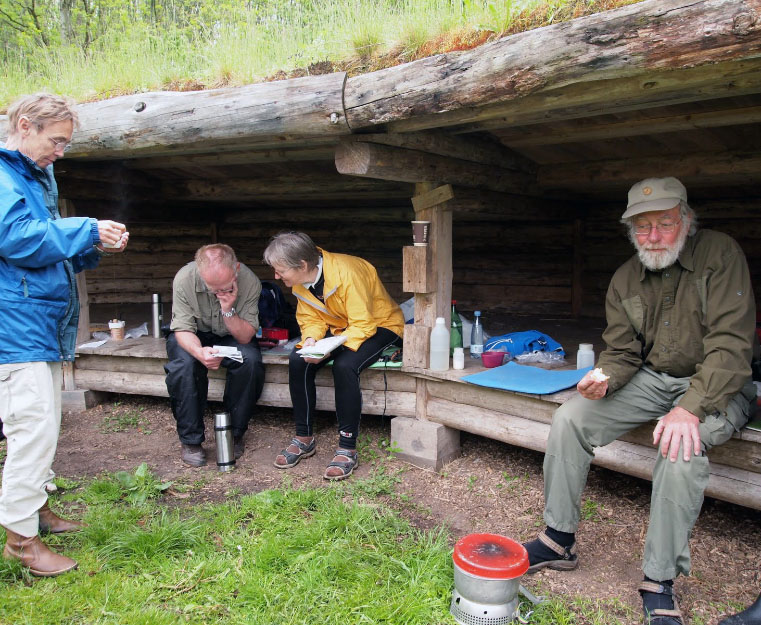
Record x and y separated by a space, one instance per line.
195 309
695 319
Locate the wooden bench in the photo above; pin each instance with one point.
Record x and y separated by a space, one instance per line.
136 366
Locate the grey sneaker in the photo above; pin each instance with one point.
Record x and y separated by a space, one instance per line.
194 455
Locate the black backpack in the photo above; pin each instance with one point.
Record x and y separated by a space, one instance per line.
274 309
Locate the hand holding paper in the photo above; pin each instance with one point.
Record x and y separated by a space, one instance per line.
322 347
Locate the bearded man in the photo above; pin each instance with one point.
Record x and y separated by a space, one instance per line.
679 341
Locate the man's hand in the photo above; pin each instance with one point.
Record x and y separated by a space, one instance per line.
678 426
208 358
227 299
308 343
110 232
590 389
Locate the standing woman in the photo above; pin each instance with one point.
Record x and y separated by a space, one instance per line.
39 254
337 295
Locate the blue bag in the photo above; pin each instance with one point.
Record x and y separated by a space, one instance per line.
518 343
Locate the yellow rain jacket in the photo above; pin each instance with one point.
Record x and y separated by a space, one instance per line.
355 303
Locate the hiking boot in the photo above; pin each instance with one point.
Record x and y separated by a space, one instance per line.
35 555
51 523
749 616
239 445
194 455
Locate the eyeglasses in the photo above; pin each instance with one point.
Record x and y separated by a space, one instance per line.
64 145
664 227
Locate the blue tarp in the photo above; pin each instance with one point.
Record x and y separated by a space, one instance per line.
526 379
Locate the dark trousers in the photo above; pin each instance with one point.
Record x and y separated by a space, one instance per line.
188 385
347 365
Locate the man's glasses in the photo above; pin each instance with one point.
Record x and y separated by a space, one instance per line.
226 291
64 145
664 227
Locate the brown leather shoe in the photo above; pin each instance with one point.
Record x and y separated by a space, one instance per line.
194 455
35 555
51 523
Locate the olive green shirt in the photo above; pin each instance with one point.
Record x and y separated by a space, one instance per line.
695 319
195 309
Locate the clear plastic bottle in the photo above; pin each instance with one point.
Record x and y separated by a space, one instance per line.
585 357
439 346
455 332
476 336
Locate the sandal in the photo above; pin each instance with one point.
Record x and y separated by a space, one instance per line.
293 458
347 466
567 560
660 616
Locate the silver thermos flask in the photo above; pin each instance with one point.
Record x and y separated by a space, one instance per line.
223 433
158 315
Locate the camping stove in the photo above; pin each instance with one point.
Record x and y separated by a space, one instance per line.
487 572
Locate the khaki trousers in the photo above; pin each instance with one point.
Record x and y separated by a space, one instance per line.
30 402
580 425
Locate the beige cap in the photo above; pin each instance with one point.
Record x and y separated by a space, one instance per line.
654 194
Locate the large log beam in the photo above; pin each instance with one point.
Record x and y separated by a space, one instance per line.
371 160
637 46
225 119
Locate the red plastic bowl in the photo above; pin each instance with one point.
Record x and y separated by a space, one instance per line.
492 359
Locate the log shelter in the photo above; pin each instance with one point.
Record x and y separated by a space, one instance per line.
519 152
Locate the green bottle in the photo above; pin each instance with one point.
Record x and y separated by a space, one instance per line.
455 333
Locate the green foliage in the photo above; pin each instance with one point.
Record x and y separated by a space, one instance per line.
93 49
123 419
140 486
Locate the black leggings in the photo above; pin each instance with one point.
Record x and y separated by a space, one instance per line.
347 365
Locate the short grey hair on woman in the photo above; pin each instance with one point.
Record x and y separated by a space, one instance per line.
215 254
685 211
41 109
289 249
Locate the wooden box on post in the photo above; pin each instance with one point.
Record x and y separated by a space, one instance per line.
415 346
417 275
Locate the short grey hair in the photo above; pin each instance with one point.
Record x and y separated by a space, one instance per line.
41 109
290 249
215 254
685 210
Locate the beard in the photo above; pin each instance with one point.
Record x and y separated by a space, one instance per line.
660 259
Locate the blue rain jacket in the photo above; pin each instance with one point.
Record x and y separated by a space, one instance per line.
39 254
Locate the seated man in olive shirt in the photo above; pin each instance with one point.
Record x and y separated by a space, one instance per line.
679 340
215 301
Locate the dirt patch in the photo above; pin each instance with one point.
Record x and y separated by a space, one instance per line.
492 487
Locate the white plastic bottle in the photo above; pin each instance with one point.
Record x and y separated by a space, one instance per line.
458 358
439 346
585 357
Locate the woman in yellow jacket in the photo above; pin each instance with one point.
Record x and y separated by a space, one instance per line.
338 295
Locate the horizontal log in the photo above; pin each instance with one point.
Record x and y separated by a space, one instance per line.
637 126
395 403
167 122
370 160
471 148
694 170
725 483
618 59
285 154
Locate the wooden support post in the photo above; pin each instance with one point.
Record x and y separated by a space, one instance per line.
428 273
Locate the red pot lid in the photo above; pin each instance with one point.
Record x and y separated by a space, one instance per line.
490 555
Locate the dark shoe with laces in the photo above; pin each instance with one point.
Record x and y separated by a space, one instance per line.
194 455
239 445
